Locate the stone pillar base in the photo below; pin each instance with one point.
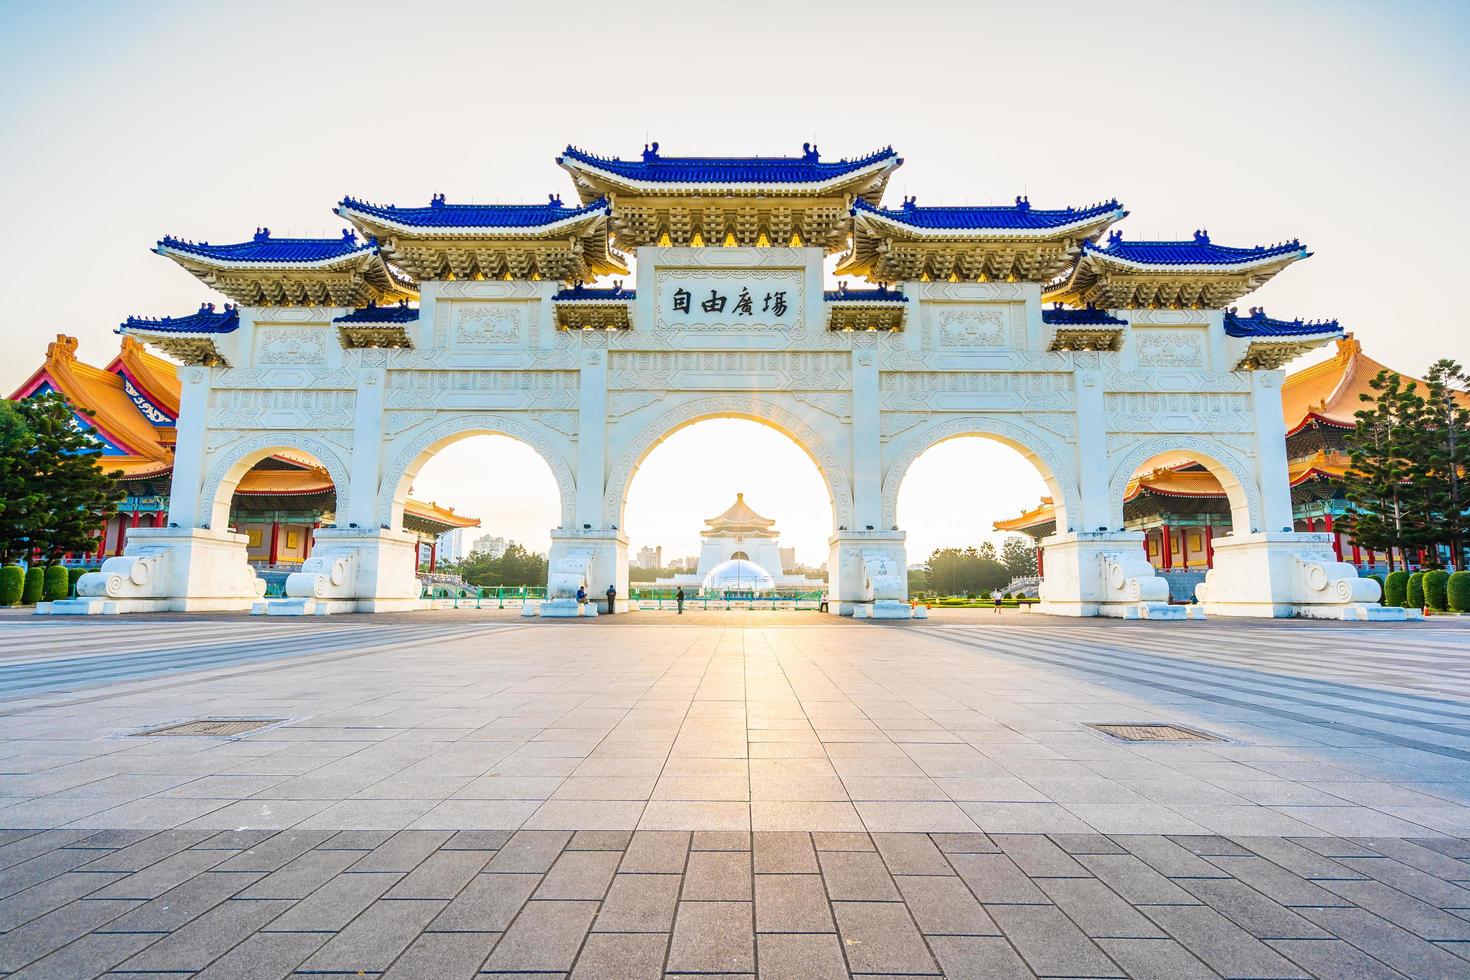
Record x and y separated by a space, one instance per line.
592 559
864 567
353 570
1287 573
1102 573
168 569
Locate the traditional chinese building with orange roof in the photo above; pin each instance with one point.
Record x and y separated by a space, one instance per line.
1181 507
131 407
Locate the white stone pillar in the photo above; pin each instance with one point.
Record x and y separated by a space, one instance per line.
1270 451
867 463
1093 510
357 503
592 441
184 506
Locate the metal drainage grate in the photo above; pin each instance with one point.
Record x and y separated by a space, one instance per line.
216 727
1154 732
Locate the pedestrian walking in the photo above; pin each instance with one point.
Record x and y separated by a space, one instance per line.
612 599
679 598
995 597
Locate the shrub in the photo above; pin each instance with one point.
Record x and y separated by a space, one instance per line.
1415 598
35 586
1396 589
1382 588
73 573
1436 590
1459 592
58 583
12 584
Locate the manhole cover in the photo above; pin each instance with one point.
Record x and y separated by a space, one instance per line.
1155 732
216 727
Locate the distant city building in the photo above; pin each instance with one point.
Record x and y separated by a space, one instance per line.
451 545
490 544
650 557
788 557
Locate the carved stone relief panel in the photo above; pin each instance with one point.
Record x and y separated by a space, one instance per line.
1169 348
977 326
482 389
976 391
1178 412
742 370
480 325
257 408
291 345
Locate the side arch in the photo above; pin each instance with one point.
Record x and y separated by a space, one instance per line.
407 459
834 474
236 459
1236 477
1053 466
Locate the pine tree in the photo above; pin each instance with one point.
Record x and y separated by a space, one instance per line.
1384 448
73 494
19 497
1019 556
1446 463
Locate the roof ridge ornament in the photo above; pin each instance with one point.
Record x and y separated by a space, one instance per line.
1202 237
809 153
1115 237
1023 203
261 235
649 155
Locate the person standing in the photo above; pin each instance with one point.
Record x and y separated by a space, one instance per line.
679 598
995 596
612 599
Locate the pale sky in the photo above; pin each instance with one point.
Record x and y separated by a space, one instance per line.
1343 124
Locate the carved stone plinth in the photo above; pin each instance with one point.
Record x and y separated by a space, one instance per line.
1102 573
591 558
865 568
1287 573
353 570
168 569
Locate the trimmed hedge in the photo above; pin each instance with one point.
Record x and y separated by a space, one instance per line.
1396 589
35 586
1436 590
73 573
58 583
1459 592
1415 599
12 584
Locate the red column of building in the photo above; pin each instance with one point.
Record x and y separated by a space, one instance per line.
1166 546
1040 565
1357 554
1209 546
102 541
433 553
275 540
1336 539
122 534
1184 548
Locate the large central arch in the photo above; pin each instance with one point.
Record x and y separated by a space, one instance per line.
237 458
828 463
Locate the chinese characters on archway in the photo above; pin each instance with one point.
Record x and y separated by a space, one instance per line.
743 304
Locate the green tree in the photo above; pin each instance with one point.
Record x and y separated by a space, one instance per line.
56 491
1446 457
1019 556
19 494
1387 505
516 567
956 571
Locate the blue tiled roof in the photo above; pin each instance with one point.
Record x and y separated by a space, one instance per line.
878 294
1200 251
264 248
440 214
372 313
207 320
1090 316
653 168
579 291
1258 324
1019 216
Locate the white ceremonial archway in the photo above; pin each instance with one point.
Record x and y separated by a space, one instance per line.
423 325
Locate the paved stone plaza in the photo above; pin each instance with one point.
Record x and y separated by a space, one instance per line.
731 794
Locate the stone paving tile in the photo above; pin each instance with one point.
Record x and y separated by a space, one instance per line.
718 876
995 878
375 938
880 937
712 937
639 903
979 956
778 852
1155 959
488 903
944 906
791 903
545 936
88 956
1097 910
1222 945
335 903
610 956
1386 942
265 956
858 876
54 930
800 958
911 854
206 938
579 875
1050 943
